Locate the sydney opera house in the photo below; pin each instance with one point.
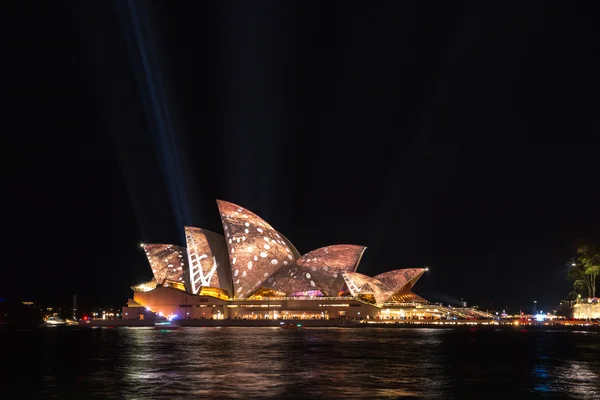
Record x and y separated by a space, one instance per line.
254 272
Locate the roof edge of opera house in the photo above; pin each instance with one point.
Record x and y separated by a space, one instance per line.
251 260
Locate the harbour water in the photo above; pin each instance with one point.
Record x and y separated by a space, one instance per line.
310 363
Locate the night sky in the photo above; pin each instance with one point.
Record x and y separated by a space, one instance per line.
459 136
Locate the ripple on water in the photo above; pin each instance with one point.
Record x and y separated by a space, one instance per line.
271 363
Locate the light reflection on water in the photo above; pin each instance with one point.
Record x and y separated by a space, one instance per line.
274 363
555 375
319 363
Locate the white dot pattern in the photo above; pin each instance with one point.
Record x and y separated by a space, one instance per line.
362 284
260 248
167 261
317 270
399 278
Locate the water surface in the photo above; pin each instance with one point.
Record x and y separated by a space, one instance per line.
313 363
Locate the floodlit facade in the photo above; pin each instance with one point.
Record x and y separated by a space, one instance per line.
253 271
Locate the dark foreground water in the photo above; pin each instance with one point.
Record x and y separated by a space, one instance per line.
272 363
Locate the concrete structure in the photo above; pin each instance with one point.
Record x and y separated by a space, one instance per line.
254 272
172 303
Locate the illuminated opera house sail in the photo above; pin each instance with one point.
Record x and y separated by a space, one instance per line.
235 273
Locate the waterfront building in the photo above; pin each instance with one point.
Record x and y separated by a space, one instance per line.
253 271
586 308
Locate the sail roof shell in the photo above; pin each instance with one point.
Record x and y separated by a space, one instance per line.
320 269
256 250
362 284
168 262
208 260
338 258
397 279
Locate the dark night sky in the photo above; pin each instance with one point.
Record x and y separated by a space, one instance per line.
454 135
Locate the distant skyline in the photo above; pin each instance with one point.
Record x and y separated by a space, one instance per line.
453 136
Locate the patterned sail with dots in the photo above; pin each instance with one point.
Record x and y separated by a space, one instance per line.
362 284
256 249
320 269
397 279
168 262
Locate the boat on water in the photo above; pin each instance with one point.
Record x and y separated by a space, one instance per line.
165 326
54 321
290 325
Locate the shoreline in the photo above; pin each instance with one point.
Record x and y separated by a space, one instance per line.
334 324
301 324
